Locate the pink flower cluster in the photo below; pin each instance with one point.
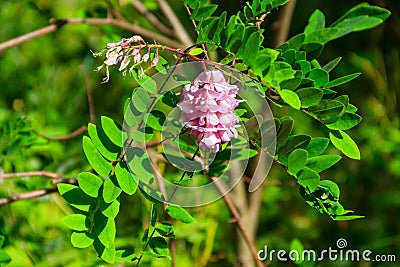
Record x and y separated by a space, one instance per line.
207 107
123 52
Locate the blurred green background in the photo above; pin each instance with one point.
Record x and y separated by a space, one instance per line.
43 90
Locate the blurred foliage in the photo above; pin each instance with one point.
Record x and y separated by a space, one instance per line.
43 89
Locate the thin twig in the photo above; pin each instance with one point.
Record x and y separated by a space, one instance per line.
127 26
195 26
75 133
152 18
113 12
51 175
179 30
57 23
238 222
27 195
172 249
26 37
261 19
92 115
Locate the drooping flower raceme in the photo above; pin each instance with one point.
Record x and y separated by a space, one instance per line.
207 106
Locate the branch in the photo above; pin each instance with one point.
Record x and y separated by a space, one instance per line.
26 37
51 175
92 115
126 26
27 195
195 26
152 18
75 133
238 221
283 22
179 30
57 23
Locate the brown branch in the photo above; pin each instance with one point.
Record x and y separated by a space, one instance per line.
57 23
75 133
283 22
237 220
126 26
152 18
36 193
26 37
51 175
92 116
27 195
179 30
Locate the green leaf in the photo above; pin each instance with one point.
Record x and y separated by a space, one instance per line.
291 98
251 48
304 66
99 164
297 161
140 164
112 130
156 120
179 214
159 245
126 180
331 187
361 17
313 50
203 12
316 22
309 96
327 111
309 178
76 197
342 80
277 3
2 239
125 256
81 239
321 163
196 51
105 229
344 143
347 121
294 142
165 229
347 217
90 183
296 245
286 126
153 215
4 257
331 64
141 100
317 146
296 42
77 222
111 189
110 210
170 99
107 254
322 36
102 143
319 76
